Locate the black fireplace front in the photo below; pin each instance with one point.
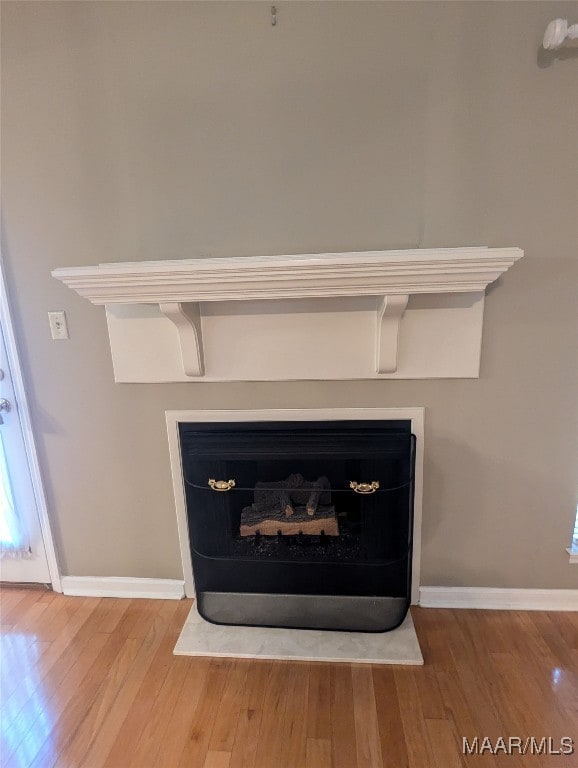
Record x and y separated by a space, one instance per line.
301 524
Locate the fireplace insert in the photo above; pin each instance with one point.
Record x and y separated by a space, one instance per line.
301 524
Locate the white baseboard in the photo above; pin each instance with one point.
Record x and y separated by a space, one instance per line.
430 597
123 586
499 599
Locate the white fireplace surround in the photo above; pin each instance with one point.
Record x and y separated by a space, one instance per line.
173 418
376 314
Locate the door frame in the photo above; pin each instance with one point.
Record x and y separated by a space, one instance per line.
27 432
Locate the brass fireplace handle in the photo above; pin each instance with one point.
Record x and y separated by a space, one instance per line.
364 487
221 485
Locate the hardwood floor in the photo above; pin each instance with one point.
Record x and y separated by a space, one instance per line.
93 683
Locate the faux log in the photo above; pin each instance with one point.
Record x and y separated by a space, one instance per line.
285 494
273 521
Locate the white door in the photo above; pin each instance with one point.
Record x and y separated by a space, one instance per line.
22 550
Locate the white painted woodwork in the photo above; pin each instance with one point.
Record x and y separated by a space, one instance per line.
39 524
389 312
123 586
499 598
363 273
275 318
174 418
323 339
187 320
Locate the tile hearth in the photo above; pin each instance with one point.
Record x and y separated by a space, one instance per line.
201 638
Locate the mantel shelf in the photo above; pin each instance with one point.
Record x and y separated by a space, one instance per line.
362 273
179 288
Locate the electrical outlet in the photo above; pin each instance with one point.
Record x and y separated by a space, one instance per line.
58 325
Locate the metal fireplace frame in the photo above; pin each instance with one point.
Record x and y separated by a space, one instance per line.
173 418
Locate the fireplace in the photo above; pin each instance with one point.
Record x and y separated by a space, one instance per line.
302 524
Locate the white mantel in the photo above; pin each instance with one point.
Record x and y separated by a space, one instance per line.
372 314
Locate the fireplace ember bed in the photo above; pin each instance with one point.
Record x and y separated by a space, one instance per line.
301 524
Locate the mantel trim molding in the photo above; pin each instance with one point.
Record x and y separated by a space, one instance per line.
362 273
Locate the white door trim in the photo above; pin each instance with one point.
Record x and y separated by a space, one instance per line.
415 415
26 423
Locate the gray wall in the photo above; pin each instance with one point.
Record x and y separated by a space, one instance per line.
166 130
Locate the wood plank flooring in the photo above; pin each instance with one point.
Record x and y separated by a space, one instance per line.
92 683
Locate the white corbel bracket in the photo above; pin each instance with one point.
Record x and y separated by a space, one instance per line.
187 320
389 313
